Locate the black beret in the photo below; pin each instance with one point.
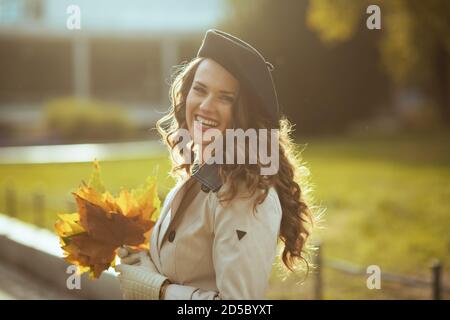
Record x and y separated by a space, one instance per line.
246 64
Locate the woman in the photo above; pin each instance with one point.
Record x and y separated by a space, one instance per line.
216 237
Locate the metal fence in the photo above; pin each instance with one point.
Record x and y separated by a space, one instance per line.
434 283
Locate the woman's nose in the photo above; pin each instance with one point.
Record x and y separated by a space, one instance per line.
207 105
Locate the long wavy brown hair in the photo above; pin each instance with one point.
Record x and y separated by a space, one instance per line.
297 218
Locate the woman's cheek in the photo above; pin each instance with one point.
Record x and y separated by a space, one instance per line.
189 110
226 117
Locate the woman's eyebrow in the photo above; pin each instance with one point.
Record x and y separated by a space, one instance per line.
205 86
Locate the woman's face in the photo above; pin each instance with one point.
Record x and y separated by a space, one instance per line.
210 100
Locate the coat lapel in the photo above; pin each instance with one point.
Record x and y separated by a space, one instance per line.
172 207
154 243
209 178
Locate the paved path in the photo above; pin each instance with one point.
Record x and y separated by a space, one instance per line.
15 284
81 152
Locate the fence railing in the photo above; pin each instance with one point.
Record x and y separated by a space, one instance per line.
434 283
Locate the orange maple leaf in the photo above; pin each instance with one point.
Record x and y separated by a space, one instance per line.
103 223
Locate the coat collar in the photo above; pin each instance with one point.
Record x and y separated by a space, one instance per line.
208 175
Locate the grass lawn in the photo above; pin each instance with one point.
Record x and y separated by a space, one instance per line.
57 181
387 203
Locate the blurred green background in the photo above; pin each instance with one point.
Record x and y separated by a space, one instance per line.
371 110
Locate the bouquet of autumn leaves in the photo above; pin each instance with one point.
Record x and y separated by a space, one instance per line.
91 237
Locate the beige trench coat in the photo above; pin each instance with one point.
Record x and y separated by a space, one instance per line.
213 251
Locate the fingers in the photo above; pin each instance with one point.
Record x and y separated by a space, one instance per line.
126 250
124 268
118 268
131 259
132 250
122 252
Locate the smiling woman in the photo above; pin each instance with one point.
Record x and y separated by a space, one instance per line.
218 230
210 100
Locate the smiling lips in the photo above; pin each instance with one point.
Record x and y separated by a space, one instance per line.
204 124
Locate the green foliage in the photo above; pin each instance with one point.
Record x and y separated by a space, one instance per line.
76 120
411 30
326 16
322 88
332 71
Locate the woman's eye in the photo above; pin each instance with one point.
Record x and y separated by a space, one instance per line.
228 99
199 89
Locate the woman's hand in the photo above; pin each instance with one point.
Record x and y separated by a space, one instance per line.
139 279
131 256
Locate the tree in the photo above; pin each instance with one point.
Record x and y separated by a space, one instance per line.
321 88
414 44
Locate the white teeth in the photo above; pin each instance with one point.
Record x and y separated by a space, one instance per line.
206 122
